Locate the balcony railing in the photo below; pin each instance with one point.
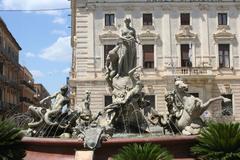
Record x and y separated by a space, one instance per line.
12 83
29 85
8 82
26 99
6 106
10 55
189 71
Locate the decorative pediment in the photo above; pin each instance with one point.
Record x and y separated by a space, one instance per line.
148 36
108 36
186 35
203 7
223 35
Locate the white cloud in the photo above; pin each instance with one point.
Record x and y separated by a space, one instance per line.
29 55
66 70
59 32
35 5
37 73
58 51
59 20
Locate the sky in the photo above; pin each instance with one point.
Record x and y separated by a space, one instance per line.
43 36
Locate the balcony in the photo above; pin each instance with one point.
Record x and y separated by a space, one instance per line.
189 72
9 55
12 83
4 106
27 84
26 99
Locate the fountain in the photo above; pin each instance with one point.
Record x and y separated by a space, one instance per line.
73 134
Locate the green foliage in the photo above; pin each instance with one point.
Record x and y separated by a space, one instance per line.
146 151
219 141
10 138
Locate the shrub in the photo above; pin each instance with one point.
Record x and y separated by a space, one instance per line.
219 141
10 141
146 151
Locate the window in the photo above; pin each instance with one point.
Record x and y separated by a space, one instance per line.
107 48
223 51
227 109
185 59
107 100
151 99
148 56
222 18
109 19
185 18
147 19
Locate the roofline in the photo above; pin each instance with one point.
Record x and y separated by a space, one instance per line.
40 84
9 33
26 69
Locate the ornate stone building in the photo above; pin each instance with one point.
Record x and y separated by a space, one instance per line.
27 90
41 93
9 68
197 40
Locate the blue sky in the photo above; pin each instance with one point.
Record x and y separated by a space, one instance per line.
44 38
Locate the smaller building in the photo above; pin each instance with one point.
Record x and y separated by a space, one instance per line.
41 92
27 90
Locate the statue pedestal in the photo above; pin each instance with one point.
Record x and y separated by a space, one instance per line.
84 155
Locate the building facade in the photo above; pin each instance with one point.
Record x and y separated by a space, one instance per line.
27 90
9 69
196 40
41 93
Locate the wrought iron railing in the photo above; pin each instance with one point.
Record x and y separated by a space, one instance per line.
29 85
26 99
10 55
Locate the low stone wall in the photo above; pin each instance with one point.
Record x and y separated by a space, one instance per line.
64 149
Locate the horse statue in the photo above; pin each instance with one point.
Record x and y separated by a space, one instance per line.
184 110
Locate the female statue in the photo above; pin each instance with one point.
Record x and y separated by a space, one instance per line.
127 51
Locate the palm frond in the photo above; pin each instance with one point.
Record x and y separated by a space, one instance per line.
10 141
219 141
145 151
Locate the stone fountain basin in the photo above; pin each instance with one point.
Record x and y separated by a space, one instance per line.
64 149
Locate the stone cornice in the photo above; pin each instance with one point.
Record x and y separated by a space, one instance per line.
223 35
110 8
203 7
108 36
185 34
166 7
222 7
148 36
147 8
184 7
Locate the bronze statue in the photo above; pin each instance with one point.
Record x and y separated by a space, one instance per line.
61 99
127 53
